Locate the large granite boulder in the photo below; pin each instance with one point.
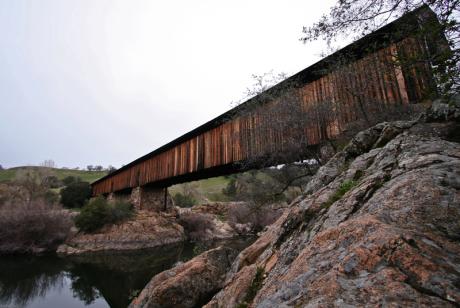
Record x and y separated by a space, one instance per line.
379 225
189 284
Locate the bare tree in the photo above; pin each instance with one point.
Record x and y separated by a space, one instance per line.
288 130
111 169
357 18
34 182
49 163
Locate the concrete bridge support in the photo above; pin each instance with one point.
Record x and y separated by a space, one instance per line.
145 198
119 196
151 198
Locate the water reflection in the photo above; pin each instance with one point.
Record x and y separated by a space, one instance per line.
102 280
23 278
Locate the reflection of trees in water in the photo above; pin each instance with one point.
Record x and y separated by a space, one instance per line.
83 287
115 277
23 279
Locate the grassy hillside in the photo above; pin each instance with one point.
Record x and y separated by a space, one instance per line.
210 189
8 175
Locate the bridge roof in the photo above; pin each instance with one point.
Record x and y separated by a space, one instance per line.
357 49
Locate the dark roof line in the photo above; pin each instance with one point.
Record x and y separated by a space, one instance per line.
310 73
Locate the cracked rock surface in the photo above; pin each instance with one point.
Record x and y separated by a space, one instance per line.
391 237
188 284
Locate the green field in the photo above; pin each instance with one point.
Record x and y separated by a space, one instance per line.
210 189
9 175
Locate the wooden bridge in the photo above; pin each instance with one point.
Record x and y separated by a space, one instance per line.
363 78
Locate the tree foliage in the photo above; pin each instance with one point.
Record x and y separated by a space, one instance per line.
98 212
70 180
75 194
184 200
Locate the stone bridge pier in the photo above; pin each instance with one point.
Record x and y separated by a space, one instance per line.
149 198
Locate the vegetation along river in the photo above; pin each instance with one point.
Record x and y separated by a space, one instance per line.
98 280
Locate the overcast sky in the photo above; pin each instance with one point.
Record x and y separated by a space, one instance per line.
104 82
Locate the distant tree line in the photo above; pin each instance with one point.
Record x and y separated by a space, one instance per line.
109 169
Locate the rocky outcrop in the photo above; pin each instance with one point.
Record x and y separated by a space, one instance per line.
188 284
379 225
147 229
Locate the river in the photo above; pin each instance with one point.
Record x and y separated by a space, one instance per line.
97 280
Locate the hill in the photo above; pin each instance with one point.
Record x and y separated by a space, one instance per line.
10 174
204 190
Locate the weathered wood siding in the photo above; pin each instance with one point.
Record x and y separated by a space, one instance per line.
374 78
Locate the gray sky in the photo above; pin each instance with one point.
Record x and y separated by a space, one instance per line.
105 81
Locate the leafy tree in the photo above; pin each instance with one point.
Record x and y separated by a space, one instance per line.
98 168
93 215
98 212
1 167
75 194
90 167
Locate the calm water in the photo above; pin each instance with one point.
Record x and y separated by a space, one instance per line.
102 280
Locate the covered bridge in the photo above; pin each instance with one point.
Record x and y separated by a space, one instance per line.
364 77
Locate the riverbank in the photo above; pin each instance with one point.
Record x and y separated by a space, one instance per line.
148 229
145 230
97 280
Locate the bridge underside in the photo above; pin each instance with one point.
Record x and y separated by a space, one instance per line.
155 196
298 114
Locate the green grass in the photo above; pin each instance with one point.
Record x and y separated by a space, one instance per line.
338 194
210 189
9 175
253 288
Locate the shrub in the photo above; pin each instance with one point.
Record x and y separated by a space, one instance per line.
230 190
75 194
70 180
246 213
184 200
32 227
98 212
256 285
51 197
196 225
338 194
51 181
121 211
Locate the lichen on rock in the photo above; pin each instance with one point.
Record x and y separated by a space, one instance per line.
188 284
390 239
